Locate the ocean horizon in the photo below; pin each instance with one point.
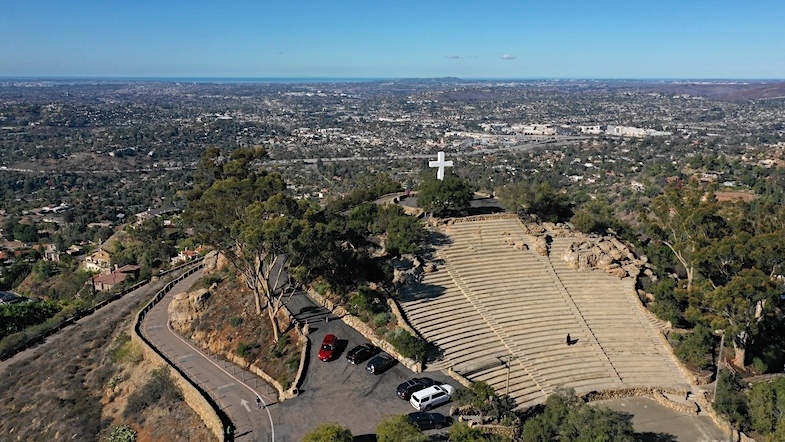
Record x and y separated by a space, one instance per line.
314 80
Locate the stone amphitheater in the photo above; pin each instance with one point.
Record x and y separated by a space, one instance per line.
497 290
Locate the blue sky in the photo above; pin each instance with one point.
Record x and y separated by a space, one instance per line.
393 39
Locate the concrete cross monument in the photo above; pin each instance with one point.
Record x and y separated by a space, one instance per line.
441 164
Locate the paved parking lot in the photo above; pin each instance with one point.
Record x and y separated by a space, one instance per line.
655 423
338 391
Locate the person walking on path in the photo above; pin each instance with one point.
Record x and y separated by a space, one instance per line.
258 402
569 341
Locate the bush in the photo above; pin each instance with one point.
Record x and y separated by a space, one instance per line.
566 417
397 428
321 287
730 400
126 350
122 434
235 321
244 349
408 345
380 319
330 432
280 346
696 347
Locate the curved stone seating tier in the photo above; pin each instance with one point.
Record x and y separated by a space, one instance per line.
492 296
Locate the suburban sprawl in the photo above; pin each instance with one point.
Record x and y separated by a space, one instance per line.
392 260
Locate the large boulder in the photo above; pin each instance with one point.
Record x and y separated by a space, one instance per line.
184 308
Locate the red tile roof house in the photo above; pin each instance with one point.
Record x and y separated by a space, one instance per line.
107 282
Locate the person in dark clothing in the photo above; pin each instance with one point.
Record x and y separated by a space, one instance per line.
569 341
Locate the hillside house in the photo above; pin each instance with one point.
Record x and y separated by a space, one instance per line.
99 261
108 281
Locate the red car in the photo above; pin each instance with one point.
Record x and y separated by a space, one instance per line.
328 348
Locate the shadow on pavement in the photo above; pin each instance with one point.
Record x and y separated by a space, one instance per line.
654 437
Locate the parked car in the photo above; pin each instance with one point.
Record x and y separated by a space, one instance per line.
431 397
327 349
361 353
380 363
405 390
428 421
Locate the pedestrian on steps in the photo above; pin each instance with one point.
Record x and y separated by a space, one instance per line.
569 341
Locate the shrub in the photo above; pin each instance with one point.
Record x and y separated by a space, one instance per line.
126 351
113 381
235 321
380 319
321 287
696 347
280 346
330 432
408 345
397 428
730 400
244 349
293 362
122 434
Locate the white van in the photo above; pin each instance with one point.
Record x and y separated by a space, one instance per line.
430 397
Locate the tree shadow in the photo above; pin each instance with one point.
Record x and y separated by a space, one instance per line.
340 347
647 436
654 437
364 438
421 291
433 353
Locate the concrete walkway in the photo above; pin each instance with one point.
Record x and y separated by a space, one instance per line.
233 389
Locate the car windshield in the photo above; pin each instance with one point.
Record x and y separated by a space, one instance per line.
327 347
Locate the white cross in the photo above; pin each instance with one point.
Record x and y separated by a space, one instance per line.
441 164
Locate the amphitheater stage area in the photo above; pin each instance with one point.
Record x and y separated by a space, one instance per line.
499 309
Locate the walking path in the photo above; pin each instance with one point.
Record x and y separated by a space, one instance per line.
232 388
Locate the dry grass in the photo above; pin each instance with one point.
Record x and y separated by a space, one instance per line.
229 322
78 389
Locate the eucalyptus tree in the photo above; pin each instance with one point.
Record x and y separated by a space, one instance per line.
246 214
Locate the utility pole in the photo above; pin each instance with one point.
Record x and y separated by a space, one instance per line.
506 364
719 363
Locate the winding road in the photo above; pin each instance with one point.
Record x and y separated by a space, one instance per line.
233 389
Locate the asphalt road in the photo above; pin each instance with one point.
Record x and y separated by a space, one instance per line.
233 389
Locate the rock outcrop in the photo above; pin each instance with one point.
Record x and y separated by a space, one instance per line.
185 306
604 253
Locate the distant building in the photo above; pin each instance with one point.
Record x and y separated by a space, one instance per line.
51 253
99 261
106 282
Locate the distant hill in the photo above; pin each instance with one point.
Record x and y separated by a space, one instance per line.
730 91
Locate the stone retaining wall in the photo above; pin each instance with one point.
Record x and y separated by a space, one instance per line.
478 218
502 430
459 378
192 396
655 394
365 330
401 318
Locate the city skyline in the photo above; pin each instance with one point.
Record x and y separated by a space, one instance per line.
505 40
